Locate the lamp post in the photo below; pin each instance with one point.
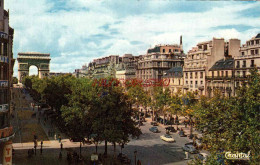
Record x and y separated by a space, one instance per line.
135 152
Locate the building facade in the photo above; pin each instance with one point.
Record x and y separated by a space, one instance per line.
201 58
174 80
158 60
6 71
248 58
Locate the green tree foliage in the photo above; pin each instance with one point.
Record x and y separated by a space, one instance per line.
15 80
232 124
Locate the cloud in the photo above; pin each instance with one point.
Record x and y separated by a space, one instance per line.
75 32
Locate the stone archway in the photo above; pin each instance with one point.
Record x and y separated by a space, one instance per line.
40 60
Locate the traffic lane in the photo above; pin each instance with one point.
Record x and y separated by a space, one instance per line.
152 150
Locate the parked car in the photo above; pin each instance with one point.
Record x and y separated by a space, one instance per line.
190 148
171 129
203 157
154 123
124 159
154 129
182 134
167 138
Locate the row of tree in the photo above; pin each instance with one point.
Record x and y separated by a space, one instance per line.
85 111
228 124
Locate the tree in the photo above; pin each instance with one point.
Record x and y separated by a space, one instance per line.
232 124
15 80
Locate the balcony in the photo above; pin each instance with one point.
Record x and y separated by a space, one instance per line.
191 86
185 86
219 77
237 66
6 134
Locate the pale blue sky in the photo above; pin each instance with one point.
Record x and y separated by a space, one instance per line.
75 32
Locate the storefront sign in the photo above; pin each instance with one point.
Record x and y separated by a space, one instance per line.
3 83
7 156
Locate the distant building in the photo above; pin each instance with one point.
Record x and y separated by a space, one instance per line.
174 79
55 74
248 58
201 58
158 60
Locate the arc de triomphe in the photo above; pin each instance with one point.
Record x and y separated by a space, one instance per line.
40 60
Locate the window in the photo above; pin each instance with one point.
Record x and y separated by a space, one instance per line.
191 82
257 41
192 57
205 47
196 75
238 73
170 50
256 51
252 63
163 50
212 73
191 75
179 82
252 52
187 82
218 73
201 74
238 64
173 80
243 53
186 75
244 73
201 82
244 64
252 42
226 73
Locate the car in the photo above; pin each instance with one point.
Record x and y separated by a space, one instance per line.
154 129
123 158
154 123
171 129
190 143
190 148
182 134
167 138
203 157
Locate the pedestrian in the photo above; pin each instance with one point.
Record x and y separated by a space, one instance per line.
41 146
55 136
59 138
61 146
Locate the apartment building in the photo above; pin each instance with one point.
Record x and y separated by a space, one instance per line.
248 58
6 74
173 79
202 58
158 60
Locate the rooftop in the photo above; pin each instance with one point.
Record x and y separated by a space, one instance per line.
222 64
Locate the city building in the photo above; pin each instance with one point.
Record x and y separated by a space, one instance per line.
248 58
201 58
126 68
103 67
79 73
55 74
6 71
173 79
158 60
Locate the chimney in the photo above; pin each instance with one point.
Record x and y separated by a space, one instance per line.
181 42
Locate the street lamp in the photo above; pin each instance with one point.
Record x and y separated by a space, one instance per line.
135 152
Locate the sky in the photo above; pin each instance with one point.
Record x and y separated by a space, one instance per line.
75 32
